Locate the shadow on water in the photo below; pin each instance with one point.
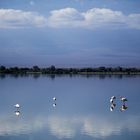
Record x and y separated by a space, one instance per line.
52 76
2 76
36 75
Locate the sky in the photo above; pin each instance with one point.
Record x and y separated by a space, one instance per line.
70 33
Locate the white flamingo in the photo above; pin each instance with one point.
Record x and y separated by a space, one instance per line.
123 99
17 106
54 98
112 99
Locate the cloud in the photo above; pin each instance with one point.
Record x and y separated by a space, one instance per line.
10 18
95 18
134 21
68 17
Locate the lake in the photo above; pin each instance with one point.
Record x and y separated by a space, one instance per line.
81 110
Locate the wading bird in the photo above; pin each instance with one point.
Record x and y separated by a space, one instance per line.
17 106
123 99
112 99
54 98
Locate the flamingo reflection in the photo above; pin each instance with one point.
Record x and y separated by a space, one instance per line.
123 107
54 105
17 113
112 106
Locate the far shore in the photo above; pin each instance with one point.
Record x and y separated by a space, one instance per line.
71 71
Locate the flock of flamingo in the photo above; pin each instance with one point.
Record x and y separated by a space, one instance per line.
17 106
113 105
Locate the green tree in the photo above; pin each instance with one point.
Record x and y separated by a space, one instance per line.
2 69
36 69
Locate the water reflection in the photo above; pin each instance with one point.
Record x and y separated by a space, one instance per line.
68 127
81 108
112 106
2 76
53 76
36 75
54 104
17 112
123 107
62 127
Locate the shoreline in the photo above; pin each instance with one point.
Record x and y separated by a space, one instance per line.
79 73
71 71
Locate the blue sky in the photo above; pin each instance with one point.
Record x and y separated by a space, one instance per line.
67 33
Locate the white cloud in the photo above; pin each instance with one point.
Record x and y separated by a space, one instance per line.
134 21
94 18
10 18
65 17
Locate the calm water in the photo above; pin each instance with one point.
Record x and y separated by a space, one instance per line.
82 110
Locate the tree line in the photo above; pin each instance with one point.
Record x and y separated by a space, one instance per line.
53 70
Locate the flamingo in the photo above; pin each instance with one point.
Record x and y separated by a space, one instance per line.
17 106
112 99
123 99
54 98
